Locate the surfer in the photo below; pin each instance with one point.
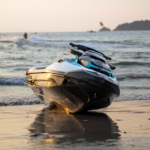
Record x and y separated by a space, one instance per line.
25 36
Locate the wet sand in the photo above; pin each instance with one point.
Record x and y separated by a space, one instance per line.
123 125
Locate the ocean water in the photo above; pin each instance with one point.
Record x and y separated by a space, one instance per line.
129 50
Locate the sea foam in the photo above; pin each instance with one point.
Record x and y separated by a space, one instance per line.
12 80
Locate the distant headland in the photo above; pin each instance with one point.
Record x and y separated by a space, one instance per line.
133 26
105 29
136 25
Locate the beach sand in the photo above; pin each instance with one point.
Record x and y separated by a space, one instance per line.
123 125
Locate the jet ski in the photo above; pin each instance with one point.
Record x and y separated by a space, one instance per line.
77 84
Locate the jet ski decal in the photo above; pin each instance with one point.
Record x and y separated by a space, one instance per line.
110 74
73 61
91 66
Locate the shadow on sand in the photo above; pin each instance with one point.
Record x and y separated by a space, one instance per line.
57 127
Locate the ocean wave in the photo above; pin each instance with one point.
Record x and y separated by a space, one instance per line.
12 80
132 97
33 40
21 80
132 75
117 44
11 39
129 87
37 40
132 63
33 100
12 101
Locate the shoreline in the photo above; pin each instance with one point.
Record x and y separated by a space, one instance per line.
123 125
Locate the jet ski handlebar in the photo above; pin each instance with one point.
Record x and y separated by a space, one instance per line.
85 48
76 53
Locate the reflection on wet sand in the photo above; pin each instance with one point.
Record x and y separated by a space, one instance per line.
57 127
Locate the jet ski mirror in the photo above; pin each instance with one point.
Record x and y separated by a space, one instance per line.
85 48
112 67
106 57
76 53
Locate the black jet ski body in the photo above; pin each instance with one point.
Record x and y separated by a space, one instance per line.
76 84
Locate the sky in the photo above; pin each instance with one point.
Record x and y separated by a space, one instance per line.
69 15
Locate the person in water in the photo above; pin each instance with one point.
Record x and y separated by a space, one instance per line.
25 36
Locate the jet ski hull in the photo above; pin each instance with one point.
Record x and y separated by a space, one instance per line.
74 91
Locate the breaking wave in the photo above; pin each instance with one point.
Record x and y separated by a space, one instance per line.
21 80
132 97
132 63
33 100
12 80
33 40
37 40
132 76
12 101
